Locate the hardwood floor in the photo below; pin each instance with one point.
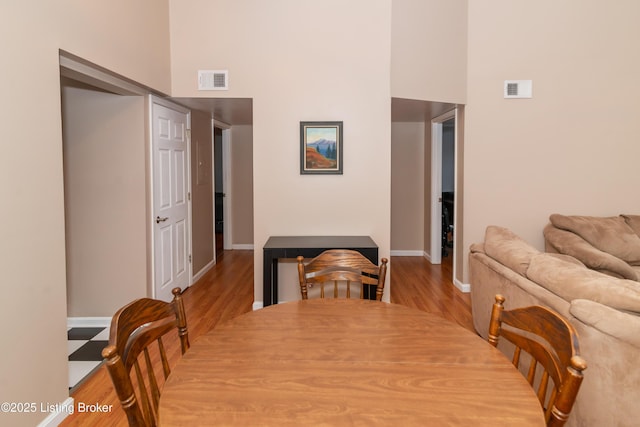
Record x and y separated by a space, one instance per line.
419 284
226 291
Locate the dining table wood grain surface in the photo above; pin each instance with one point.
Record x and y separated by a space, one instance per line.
339 362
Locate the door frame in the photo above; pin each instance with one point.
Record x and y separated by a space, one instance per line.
436 183
226 183
152 99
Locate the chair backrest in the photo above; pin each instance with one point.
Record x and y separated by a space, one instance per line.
341 266
551 343
135 330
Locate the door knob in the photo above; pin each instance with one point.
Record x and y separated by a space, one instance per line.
159 220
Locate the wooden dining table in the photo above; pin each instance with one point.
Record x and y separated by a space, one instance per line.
340 362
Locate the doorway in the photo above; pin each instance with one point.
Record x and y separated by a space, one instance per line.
448 186
219 194
439 230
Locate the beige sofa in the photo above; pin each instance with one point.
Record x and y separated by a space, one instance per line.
610 245
605 311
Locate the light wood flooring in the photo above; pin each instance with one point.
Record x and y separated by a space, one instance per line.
226 291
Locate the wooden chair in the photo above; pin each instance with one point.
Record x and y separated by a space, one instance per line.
552 343
134 330
340 266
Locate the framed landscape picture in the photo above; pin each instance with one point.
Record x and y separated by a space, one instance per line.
321 148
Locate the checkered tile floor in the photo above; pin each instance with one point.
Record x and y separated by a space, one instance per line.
84 348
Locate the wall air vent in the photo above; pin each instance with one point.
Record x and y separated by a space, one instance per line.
213 80
518 89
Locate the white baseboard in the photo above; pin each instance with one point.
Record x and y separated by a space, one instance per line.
203 271
58 413
464 287
257 305
407 253
88 322
242 247
427 256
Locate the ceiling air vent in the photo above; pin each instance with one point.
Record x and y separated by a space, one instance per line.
518 89
213 80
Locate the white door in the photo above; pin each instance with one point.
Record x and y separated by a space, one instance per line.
170 200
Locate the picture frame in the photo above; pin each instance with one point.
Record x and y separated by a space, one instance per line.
321 148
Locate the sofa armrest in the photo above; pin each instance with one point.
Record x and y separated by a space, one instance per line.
566 242
488 277
618 324
476 247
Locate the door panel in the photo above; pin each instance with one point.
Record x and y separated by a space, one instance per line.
166 248
180 177
181 247
164 183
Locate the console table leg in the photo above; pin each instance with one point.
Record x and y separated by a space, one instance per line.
267 269
274 283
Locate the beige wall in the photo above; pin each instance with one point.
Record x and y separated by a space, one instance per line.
242 185
130 39
332 67
573 148
105 211
407 187
32 253
428 50
202 191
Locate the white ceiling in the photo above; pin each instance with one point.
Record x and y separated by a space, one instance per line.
412 110
232 111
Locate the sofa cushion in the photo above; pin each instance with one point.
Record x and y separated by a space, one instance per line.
568 258
609 234
633 221
571 281
569 243
508 249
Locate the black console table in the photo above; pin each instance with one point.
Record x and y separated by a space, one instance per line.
308 246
